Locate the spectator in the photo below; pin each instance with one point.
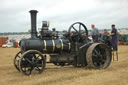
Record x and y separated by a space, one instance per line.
106 38
114 41
105 34
114 38
94 33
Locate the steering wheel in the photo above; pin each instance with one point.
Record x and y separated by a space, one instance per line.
77 34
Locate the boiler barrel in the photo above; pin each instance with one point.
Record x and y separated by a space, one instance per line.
46 46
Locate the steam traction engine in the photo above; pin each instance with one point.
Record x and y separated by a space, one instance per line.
73 49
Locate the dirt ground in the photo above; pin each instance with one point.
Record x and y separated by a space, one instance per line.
116 74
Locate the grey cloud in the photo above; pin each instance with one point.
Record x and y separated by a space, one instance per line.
15 17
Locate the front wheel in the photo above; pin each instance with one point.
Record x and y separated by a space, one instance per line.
32 61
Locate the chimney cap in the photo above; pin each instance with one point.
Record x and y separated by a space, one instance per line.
33 11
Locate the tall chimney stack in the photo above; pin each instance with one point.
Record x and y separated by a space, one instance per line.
33 14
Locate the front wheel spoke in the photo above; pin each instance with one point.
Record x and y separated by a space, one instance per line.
38 56
28 70
24 69
39 65
37 61
28 60
37 68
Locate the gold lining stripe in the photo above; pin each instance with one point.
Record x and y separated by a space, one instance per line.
62 46
45 45
69 45
53 45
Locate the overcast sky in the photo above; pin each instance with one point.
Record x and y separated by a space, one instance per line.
14 15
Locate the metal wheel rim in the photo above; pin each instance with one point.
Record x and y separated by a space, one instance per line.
16 61
78 31
90 57
32 65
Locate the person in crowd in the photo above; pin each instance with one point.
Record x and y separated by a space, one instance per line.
114 40
106 38
105 33
94 33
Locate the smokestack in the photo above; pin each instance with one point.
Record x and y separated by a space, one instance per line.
33 14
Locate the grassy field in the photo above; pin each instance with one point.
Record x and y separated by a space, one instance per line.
116 74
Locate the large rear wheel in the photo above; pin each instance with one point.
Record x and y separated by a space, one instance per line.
98 56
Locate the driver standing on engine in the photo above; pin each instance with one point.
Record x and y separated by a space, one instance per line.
94 33
54 33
